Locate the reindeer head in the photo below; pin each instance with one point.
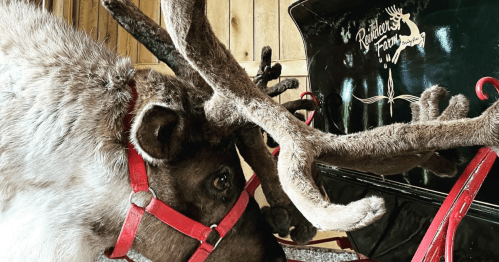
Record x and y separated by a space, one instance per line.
194 171
397 15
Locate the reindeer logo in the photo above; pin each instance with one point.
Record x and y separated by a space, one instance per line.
415 38
384 43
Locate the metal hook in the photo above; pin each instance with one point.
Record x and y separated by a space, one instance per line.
312 95
481 82
311 116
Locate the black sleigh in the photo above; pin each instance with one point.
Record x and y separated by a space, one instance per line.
366 68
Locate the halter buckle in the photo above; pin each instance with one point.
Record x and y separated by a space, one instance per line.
219 239
133 193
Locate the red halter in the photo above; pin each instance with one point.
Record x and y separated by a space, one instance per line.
165 213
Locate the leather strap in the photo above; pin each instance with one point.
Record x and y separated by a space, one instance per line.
136 165
234 214
203 251
128 232
195 229
177 220
137 169
183 224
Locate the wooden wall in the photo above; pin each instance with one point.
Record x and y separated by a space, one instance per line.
244 26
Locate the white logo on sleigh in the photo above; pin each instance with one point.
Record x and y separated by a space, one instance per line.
377 35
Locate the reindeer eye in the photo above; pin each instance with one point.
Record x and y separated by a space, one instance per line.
221 182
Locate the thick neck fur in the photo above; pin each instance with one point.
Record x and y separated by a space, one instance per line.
50 114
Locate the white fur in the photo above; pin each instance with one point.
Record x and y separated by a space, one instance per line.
56 177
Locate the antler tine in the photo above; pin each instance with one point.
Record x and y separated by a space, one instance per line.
155 38
389 10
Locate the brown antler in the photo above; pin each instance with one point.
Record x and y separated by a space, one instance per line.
191 33
154 38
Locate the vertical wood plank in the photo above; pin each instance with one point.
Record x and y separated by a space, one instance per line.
151 8
108 29
73 13
47 4
266 27
161 18
127 45
241 29
291 44
88 16
218 12
58 8
122 41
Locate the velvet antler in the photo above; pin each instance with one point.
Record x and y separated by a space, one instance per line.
191 33
154 38
426 109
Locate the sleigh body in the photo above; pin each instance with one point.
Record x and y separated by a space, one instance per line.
365 79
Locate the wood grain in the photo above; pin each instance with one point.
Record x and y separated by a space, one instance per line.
218 12
291 44
241 29
88 16
266 27
108 29
151 8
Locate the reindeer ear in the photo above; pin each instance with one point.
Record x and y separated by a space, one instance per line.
155 132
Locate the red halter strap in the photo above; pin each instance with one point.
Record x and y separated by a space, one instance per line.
165 213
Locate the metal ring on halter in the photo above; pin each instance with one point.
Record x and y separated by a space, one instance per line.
312 115
218 241
133 193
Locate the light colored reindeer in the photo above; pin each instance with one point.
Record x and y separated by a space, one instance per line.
415 38
64 175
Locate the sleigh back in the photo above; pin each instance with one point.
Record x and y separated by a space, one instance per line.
367 61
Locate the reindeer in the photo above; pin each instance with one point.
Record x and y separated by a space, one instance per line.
63 166
415 38
64 178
